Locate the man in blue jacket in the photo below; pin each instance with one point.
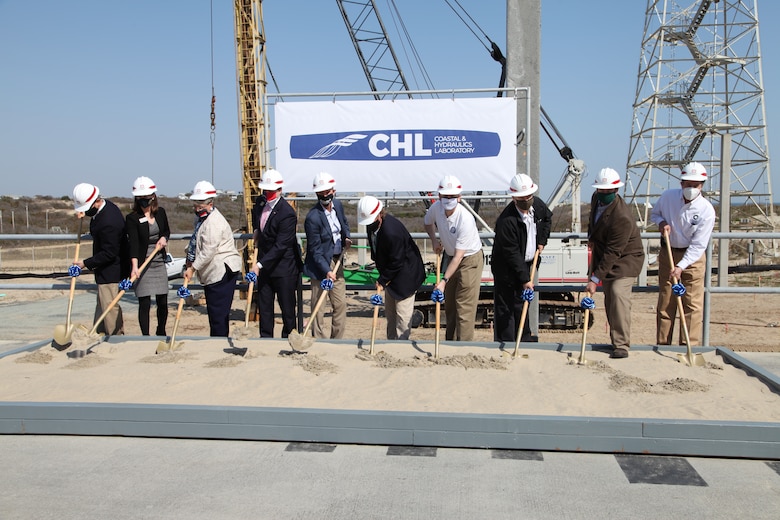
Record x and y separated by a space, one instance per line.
327 239
398 260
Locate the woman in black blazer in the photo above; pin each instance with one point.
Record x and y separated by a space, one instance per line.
147 227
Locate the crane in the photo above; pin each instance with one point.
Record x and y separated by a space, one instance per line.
251 80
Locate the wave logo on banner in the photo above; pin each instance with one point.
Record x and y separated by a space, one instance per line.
396 145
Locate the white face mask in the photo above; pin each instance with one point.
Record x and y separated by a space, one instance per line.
691 193
449 204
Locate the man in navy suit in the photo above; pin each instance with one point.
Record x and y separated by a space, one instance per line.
110 256
279 263
327 238
398 260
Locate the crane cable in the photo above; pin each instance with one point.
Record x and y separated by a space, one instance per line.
212 135
494 50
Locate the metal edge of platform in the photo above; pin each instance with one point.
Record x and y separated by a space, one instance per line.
731 439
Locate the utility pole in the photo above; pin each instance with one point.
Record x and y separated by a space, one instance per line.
523 65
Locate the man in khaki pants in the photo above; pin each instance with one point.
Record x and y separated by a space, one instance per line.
462 271
688 218
617 257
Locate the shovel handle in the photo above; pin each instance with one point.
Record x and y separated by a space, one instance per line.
73 278
122 292
584 333
321 299
524 312
250 291
373 324
680 306
178 316
437 334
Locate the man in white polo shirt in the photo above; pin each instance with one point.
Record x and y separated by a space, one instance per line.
688 218
463 260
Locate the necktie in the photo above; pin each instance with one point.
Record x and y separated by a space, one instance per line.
264 216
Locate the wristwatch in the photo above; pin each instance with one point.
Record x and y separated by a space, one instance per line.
444 279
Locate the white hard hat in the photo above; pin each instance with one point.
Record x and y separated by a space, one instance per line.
522 185
203 190
694 172
143 186
323 181
450 185
84 195
368 209
608 179
271 181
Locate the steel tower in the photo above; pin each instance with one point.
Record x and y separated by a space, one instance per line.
700 97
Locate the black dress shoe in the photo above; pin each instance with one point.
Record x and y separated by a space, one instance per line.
619 353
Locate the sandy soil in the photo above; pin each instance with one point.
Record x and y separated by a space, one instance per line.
399 376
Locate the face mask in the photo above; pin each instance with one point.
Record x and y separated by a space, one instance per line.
91 212
606 198
201 213
449 204
325 199
371 228
524 205
691 193
144 203
271 196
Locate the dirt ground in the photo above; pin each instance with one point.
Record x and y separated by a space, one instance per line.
741 322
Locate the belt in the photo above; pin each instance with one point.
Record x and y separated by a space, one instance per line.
680 249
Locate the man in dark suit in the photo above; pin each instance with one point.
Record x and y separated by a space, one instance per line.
617 256
398 260
522 229
327 238
279 263
110 256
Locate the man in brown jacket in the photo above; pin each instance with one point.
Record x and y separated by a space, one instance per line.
617 256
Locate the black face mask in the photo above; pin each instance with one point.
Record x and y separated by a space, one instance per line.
371 228
525 205
91 212
325 199
144 203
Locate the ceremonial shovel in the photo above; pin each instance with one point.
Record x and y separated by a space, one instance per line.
689 358
525 307
301 342
93 330
62 333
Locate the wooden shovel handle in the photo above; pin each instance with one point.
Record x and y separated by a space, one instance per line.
73 278
437 334
680 306
321 299
178 315
373 324
524 312
122 292
250 291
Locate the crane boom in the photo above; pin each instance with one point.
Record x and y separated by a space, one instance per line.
250 72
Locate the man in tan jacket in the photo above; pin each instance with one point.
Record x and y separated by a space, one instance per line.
617 257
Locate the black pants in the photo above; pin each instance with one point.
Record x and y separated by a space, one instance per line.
145 306
219 299
283 289
507 308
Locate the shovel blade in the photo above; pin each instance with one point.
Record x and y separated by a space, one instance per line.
62 337
692 360
298 342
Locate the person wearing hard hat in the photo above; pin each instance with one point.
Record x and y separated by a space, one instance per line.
147 227
398 260
522 229
212 253
279 264
109 259
688 219
617 256
462 258
327 238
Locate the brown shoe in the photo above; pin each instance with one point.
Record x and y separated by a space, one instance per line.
619 353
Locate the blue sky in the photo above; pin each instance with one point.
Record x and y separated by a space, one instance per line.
103 92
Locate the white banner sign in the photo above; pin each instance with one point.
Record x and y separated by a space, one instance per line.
402 145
